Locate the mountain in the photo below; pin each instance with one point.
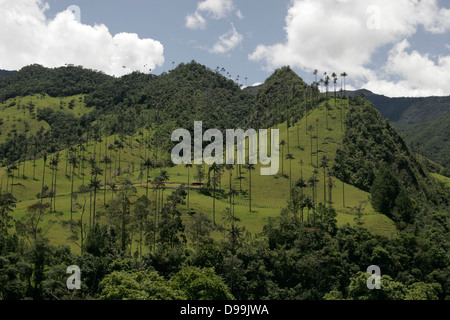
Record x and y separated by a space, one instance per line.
6 73
62 81
423 122
408 110
87 180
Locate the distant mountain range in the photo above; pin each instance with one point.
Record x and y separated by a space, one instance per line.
424 122
408 110
6 73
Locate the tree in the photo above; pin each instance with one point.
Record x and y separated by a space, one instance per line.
171 227
148 164
250 167
200 284
200 174
54 167
384 191
96 184
330 187
310 130
188 166
214 168
73 161
141 285
324 165
43 176
30 225
7 203
107 160
199 228
313 183
282 144
141 215
290 157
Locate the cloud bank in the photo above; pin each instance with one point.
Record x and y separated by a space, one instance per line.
344 35
28 37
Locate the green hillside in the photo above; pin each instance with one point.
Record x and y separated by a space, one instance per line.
423 122
87 179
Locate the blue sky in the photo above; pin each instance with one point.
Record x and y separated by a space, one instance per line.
396 48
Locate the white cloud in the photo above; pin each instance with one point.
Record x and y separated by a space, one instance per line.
420 75
239 14
28 37
195 21
343 35
227 41
215 9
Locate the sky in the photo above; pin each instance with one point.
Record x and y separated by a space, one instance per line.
395 48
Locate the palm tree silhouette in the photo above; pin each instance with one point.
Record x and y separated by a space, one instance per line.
290 157
73 160
324 165
148 164
188 166
250 167
282 144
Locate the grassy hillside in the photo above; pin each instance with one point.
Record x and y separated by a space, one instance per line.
92 171
19 115
431 139
269 193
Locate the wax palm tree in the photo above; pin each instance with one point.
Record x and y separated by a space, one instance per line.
317 142
312 182
214 168
107 160
324 166
250 167
330 187
310 130
290 157
334 76
229 167
148 164
300 183
344 75
188 166
54 166
43 176
282 144
326 83
309 204
113 188
94 183
73 160
233 192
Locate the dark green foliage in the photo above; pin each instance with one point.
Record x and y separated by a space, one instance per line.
430 139
279 98
57 82
384 191
200 284
371 141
